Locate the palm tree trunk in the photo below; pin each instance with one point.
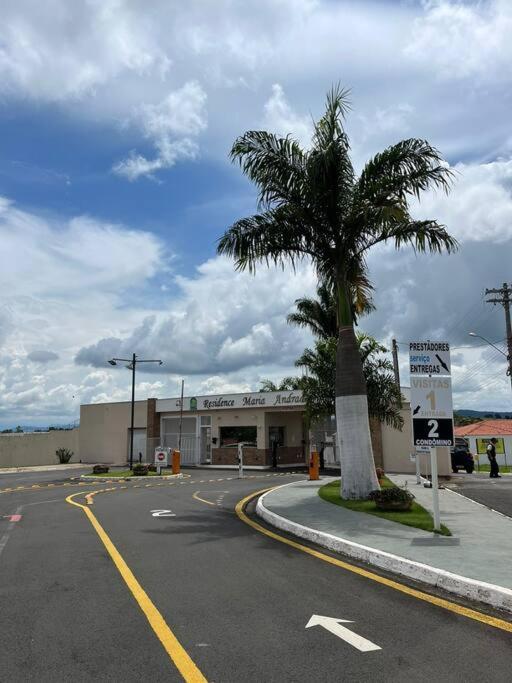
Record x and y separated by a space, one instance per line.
358 476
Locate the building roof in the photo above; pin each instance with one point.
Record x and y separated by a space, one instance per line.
486 428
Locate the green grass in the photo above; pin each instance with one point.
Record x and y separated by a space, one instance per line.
487 468
417 516
123 474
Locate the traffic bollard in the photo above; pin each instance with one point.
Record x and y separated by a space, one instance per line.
175 462
314 466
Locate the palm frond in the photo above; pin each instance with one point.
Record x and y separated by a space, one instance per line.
423 236
276 165
273 237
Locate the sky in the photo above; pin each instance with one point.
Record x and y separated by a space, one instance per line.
117 117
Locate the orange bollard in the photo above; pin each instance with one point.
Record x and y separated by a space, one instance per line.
175 462
314 466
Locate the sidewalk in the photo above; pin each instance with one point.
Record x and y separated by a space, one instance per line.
42 468
474 562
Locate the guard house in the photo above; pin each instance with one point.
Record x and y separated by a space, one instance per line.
211 428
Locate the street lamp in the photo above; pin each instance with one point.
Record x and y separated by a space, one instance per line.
132 363
509 360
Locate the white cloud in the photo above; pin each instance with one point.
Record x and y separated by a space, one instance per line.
280 118
172 126
464 40
479 207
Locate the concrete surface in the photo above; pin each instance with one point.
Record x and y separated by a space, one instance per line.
480 548
237 600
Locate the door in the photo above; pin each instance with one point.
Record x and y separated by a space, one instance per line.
206 445
139 445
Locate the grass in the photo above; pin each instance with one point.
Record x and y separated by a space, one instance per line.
487 468
416 517
123 474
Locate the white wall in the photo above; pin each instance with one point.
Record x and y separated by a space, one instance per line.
37 448
500 458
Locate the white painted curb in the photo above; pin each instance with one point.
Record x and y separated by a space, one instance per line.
130 477
487 593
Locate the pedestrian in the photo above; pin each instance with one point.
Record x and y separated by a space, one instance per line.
491 455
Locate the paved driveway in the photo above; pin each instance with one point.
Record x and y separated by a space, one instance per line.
495 493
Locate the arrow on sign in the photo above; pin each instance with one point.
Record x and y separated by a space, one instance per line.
334 626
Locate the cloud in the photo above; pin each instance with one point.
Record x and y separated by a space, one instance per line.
281 119
464 40
172 126
221 322
42 356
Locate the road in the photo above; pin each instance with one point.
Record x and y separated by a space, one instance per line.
205 593
494 493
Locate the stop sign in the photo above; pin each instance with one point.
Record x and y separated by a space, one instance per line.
161 456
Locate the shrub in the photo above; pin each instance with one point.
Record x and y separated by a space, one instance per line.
152 467
139 470
380 473
100 469
393 498
64 455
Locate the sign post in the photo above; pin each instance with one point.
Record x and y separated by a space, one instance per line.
431 405
240 460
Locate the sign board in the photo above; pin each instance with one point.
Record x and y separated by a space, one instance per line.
481 446
429 358
261 399
432 411
162 457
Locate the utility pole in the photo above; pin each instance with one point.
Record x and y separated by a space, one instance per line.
394 348
503 297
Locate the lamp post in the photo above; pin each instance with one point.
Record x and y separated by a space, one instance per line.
509 359
132 364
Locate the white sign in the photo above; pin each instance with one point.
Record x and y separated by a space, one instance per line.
261 399
429 358
334 626
431 397
161 457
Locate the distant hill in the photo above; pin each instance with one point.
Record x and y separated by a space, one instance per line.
484 414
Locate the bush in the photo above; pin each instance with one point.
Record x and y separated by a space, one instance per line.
152 468
380 473
64 455
100 469
393 498
139 470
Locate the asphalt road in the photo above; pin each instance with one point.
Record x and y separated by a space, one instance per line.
494 493
237 601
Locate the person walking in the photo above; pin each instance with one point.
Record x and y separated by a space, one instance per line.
491 455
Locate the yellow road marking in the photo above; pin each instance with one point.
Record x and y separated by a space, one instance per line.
208 502
171 644
420 595
88 497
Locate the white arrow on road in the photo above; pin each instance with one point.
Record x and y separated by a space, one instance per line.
334 626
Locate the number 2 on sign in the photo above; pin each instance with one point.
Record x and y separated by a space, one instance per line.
162 513
434 429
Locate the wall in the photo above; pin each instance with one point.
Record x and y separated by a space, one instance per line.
37 448
104 429
397 446
293 451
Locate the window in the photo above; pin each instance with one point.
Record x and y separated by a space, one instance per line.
276 434
232 436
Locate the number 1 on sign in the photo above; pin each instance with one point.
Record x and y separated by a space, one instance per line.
432 398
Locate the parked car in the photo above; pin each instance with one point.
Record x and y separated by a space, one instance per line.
461 456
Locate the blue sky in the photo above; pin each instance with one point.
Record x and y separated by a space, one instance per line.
115 184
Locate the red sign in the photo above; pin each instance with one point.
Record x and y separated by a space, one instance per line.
161 456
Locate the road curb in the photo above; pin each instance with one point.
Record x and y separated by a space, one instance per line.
95 477
479 591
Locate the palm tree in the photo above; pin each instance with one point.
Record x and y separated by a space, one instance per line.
312 206
320 314
319 387
286 384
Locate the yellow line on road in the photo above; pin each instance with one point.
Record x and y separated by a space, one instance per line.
171 644
420 595
194 495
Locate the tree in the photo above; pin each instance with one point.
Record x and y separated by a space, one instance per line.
286 384
313 206
319 386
